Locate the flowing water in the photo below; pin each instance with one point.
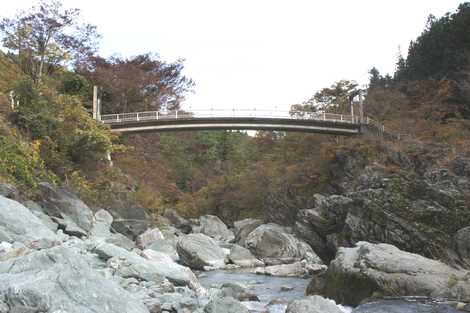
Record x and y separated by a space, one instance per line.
267 288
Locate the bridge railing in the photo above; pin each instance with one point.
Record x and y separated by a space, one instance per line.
221 113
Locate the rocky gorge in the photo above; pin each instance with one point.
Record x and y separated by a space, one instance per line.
383 237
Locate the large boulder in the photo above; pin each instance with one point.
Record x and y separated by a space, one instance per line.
272 241
66 206
17 223
167 247
243 257
312 304
225 305
213 226
176 273
151 267
199 251
372 270
60 280
129 220
149 237
244 227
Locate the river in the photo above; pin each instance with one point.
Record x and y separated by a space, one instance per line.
267 288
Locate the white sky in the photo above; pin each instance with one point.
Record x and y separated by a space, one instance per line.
259 53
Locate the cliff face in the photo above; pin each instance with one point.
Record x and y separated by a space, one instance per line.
416 198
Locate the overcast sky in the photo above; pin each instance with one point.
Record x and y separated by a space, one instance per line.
259 53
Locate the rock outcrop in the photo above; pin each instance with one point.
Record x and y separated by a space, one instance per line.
377 270
462 244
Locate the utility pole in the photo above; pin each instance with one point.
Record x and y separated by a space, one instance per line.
361 109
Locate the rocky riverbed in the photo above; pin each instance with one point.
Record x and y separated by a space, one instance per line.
58 255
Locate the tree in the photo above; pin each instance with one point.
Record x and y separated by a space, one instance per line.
441 51
140 83
337 98
375 77
48 36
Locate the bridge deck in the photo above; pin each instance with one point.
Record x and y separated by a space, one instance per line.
234 120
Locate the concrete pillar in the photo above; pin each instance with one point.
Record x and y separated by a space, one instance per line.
95 102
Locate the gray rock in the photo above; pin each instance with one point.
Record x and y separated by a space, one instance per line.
39 213
60 280
271 241
17 223
177 221
149 237
213 227
244 227
461 166
405 306
128 219
16 250
305 231
176 302
171 234
236 291
177 274
198 251
4 307
120 240
297 269
69 227
383 270
243 257
312 304
152 267
9 191
167 247
61 203
225 305
102 225
462 242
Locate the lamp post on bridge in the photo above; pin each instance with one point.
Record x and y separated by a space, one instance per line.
96 104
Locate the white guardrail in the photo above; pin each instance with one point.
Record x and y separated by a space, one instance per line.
181 115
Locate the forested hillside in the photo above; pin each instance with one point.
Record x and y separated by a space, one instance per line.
47 132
